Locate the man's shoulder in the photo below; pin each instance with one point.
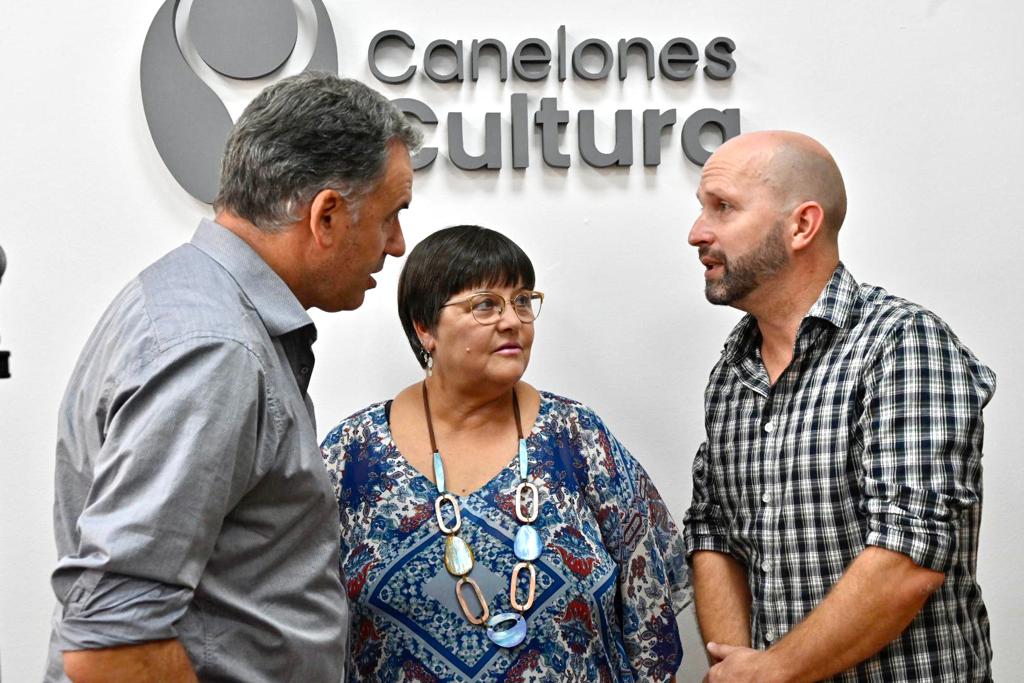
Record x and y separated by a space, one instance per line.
881 314
183 300
187 294
889 324
878 306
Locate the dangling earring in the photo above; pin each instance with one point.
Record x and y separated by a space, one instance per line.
428 361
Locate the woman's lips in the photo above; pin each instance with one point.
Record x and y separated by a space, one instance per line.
509 349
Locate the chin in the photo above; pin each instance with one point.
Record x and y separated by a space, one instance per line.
349 303
508 377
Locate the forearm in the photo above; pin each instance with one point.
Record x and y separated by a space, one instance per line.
876 599
163 660
721 598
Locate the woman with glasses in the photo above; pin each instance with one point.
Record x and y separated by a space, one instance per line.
491 531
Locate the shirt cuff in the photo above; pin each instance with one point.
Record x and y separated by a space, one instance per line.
704 539
103 609
931 549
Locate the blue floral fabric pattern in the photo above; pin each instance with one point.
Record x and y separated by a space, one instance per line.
610 581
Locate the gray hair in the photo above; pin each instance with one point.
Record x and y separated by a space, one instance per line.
302 135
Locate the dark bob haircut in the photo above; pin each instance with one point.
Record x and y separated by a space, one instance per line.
450 261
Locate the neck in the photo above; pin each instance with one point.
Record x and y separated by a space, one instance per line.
781 304
279 250
459 407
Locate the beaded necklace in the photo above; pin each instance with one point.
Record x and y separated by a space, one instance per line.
507 629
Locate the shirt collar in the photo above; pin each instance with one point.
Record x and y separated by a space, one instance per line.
835 306
742 337
275 303
835 303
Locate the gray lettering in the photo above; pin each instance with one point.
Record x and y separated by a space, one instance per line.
648 51
719 54
606 59
561 52
491 158
678 51
520 138
727 121
527 53
655 123
474 58
551 120
371 56
622 155
442 45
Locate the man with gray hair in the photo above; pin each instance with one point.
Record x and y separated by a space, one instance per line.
836 506
196 526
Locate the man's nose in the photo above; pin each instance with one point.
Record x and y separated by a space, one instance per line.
699 234
396 243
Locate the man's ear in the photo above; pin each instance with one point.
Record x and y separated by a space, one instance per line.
328 217
807 221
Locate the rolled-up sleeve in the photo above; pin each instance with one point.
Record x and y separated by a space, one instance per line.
922 432
179 437
704 525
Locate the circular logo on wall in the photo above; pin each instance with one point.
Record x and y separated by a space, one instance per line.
240 40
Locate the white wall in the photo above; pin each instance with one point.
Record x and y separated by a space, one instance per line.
919 101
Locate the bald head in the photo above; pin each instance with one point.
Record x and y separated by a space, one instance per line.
796 168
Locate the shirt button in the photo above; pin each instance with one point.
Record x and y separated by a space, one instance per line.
769 636
769 427
766 565
304 369
766 498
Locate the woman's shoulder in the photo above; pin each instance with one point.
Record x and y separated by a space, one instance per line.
358 426
559 409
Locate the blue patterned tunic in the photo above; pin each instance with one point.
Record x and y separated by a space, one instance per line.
609 583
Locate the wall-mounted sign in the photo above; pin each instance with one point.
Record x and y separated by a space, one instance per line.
247 39
445 61
239 39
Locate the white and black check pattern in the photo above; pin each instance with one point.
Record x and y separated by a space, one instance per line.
872 436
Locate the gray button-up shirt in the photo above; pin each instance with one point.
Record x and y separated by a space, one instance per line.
191 500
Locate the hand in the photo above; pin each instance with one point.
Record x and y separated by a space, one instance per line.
741 665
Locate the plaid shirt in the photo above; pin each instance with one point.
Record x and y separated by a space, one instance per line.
872 436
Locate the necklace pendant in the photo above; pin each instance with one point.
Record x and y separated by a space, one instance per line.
513 589
438 472
507 629
482 614
533 502
441 523
527 544
458 556
524 463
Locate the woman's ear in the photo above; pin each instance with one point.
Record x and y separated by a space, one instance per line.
426 337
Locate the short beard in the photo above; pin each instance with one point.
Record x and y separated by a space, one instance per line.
748 271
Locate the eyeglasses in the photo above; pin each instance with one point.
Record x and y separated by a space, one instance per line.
488 307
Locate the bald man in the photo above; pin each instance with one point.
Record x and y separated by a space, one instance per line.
833 530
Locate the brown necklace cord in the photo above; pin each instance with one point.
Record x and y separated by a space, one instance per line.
515 409
430 423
